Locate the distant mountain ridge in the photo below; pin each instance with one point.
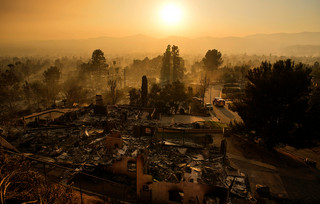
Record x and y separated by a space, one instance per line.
305 43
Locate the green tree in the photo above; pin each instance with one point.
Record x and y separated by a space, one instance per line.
212 60
275 102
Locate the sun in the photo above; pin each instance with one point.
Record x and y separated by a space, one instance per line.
171 14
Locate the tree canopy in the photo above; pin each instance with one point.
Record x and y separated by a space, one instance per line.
276 102
212 60
9 84
52 75
172 65
166 65
169 98
98 58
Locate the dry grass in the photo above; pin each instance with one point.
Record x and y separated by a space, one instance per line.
20 184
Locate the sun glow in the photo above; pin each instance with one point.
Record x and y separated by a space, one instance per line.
171 14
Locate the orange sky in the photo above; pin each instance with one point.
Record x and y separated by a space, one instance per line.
75 19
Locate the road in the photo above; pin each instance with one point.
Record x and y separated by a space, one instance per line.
224 114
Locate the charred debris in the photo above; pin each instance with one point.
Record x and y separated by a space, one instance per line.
132 153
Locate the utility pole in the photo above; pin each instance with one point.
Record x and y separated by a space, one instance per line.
210 93
124 77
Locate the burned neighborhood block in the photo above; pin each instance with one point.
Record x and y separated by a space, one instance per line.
100 110
114 141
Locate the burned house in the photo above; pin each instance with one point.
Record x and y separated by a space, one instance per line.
136 158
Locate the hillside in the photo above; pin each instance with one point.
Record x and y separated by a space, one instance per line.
299 44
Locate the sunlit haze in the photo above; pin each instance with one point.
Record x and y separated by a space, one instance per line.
79 19
171 14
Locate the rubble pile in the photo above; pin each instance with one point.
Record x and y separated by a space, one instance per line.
78 145
176 164
79 137
239 185
88 141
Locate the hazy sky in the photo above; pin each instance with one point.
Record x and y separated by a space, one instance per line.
74 19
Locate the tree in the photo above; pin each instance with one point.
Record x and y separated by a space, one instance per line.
148 67
39 92
178 95
169 98
98 58
310 131
97 71
177 65
27 91
26 71
9 89
134 97
113 80
172 65
154 96
166 66
57 63
316 69
74 91
275 102
212 60
144 91
94 73
204 84
112 83
51 79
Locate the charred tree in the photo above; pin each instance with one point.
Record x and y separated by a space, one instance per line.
144 91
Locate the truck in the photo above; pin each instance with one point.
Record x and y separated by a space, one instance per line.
218 101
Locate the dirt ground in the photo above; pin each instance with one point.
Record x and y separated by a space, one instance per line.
312 154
